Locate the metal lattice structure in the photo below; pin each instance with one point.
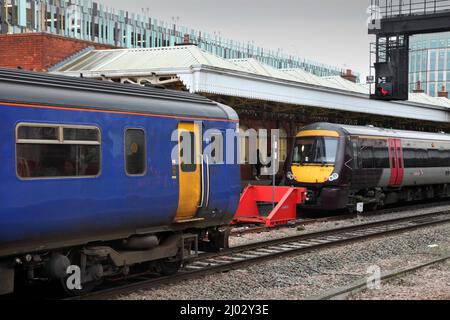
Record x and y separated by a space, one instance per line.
393 22
396 8
92 21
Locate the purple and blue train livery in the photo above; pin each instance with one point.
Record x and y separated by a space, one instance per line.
88 178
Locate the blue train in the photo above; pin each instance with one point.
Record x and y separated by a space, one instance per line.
88 178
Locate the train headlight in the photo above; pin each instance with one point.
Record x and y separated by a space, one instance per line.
333 177
290 175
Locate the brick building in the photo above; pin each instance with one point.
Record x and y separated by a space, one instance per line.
40 51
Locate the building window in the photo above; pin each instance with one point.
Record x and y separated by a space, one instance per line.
135 152
51 151
283 145
432 89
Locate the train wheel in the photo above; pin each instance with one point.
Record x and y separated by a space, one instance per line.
169 267
372 206
71 284
74 292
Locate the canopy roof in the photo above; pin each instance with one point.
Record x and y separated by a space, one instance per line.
203 72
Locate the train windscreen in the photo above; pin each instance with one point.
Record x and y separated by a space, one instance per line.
315 150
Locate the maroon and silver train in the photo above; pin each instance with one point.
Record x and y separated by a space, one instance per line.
342 166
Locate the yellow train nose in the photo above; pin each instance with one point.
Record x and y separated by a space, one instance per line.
312 173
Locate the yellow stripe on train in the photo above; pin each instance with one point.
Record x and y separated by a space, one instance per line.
318 133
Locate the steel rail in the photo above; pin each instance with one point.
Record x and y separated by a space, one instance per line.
238 231
361 284
241 256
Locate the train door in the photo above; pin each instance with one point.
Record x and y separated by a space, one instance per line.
396 162
401 169
189 170
393 163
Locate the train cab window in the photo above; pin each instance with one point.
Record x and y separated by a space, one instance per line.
135 152
315 150
45 151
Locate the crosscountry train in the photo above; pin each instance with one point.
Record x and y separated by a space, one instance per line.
87 178
343 165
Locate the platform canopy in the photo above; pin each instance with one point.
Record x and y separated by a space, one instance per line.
201 72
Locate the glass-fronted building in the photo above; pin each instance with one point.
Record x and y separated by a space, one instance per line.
430 62
92 21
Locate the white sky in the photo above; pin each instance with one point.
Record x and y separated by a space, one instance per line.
328 31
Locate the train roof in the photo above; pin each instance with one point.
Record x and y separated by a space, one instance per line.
379 132
18 86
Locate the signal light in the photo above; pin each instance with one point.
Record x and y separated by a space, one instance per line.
384 90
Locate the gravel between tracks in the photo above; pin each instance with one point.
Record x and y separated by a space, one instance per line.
431 283
305 275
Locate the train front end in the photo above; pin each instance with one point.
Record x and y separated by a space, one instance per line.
318 163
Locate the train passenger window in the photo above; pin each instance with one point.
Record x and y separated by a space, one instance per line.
366 156
422 160
434 158
135 152
43 151
31 132
213 151
444 158
409 157
216 148
381 157
74 134
188 161
355 153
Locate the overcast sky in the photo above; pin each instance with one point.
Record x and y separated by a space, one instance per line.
329 31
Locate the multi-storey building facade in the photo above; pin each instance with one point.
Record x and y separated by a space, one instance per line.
92 21
429 63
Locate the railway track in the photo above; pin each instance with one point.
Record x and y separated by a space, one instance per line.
242 256
361 284
248 229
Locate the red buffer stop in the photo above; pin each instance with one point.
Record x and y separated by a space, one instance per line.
285 211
